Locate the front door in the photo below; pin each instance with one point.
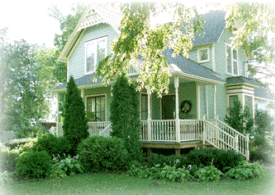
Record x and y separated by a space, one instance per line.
168 107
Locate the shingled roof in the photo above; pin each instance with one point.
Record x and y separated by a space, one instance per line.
262 93
213 28
241 80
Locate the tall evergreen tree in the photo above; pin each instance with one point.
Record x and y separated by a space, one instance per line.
125 115
75 123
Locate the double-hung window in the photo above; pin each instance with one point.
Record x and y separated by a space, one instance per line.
231 60
95 51
96 108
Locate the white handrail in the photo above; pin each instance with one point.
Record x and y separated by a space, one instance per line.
106 132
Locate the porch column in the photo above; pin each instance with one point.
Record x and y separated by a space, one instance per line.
198 101
82 93
215 99
176 84
149 118
57 116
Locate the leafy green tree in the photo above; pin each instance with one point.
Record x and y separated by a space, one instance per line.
240 119
125 115
22 85
264 122
140 38
67 26
75 127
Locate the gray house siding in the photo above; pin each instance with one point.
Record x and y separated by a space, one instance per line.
76 62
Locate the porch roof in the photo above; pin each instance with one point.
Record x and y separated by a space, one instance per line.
262 93
192 69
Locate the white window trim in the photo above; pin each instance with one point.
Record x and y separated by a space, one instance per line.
97 95
95 59
232 60
253 106
208 54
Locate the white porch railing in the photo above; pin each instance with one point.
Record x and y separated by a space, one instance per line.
95 128
241 141
191 130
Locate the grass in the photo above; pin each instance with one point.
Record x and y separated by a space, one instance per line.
123 184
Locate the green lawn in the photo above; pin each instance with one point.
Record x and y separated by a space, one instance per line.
123 184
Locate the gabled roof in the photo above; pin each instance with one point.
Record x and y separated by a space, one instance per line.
213 28
94 15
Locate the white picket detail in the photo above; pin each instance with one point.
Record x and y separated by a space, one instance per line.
106 132
191 130
96 127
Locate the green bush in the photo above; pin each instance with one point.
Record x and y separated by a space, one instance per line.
53 145
8 160
16 143
208 173
99 153
27 147
33 164
245 170
66 167
163 160
220 159
169 173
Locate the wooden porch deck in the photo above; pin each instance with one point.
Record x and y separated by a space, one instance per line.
181 134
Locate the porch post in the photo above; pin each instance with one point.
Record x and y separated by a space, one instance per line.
198 101
176 84
215 99
149 114
82 93
57 116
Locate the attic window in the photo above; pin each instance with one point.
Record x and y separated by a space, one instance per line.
203 55
95 51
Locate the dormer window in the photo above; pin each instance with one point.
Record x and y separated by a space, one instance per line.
95 51
231 60
203 55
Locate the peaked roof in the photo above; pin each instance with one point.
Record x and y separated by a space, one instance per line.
93 15
214 25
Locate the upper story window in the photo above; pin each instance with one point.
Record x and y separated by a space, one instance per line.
95 50
203 55
231 60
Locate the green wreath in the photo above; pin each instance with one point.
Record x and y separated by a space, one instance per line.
186 106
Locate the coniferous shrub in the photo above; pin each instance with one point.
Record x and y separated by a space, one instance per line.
53 145
125 116
100 153
34 165
75 127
